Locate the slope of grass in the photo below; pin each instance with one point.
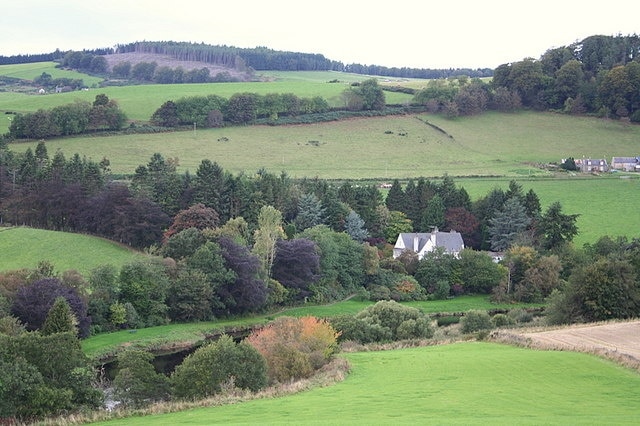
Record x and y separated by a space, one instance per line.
375 148
32 70
465 383
25 247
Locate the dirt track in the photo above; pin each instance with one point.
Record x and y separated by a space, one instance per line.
620 337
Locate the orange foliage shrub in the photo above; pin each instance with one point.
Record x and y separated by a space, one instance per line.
294 347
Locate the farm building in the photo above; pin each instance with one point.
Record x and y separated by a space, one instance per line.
627 164
587 165
424 242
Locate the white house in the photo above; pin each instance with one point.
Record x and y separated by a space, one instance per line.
424 242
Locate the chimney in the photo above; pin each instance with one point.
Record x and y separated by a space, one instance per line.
415 243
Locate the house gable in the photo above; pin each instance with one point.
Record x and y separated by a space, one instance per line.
423 243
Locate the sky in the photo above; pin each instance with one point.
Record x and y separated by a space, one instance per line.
414 34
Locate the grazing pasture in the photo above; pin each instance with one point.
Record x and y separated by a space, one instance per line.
30 71
607 205
25 247
140 101
463 383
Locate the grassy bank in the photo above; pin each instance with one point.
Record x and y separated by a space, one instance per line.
465 383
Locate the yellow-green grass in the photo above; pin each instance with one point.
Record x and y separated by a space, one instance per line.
463 383
184 334
491 144
32 70
26 247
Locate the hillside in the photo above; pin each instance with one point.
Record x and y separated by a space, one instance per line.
168 61
25 247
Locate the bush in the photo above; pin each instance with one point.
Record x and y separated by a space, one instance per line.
475 320
520 315
137 383
356 330
448 320
385 321
501 320
294 347
204 372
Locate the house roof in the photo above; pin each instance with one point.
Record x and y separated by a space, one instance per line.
625 160
451 241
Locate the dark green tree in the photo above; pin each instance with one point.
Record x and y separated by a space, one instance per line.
190 297
137 383
556 227
396 199
434 214
60 318
166 115
508 225
222 363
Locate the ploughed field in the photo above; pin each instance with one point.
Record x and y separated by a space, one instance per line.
618 337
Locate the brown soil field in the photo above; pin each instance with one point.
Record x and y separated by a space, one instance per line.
621 338
618 341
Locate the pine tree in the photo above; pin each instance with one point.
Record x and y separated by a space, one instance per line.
354 226
60 318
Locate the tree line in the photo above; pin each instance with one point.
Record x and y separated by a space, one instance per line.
71 119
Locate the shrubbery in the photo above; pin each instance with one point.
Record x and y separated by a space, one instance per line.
204 372
294 347
385 321
475 320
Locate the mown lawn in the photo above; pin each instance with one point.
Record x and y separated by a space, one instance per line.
25 247
464 383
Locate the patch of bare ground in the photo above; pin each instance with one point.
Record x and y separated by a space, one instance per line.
168 61
618 341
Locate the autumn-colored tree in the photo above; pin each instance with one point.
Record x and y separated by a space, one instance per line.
295 347
197 216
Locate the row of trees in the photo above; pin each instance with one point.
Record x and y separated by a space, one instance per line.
71 119
151 72
240 108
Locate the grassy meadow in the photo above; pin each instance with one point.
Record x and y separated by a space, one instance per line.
139 102
25 247
606 205
463 383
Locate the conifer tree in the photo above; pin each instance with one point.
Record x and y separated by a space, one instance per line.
60 318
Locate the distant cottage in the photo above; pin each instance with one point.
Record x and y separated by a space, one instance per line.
422 243
627 164
587 165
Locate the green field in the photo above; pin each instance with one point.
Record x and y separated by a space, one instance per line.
139 102
464 383
607 205
25 247
32 70
381 148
